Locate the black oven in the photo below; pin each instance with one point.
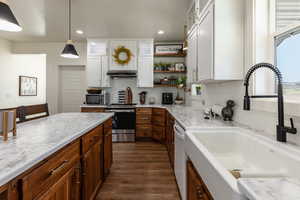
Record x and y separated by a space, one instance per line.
123 124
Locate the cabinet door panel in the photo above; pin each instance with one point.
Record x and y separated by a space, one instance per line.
158 133
66 188
93 71
108 154
192 56
105 79
206 46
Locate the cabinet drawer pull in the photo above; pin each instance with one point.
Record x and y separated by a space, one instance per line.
56 170
199 193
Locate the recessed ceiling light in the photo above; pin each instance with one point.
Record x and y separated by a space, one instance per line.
161 32
93 43
80 32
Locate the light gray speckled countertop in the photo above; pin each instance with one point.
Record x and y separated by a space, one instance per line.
270 188
38 139
189 117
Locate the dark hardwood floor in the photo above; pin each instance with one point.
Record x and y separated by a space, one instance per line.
141 171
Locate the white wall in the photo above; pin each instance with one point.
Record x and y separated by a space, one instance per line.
11 67
54 60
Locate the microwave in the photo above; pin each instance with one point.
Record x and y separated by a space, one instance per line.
97 99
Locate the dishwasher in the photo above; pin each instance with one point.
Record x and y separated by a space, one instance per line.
180 159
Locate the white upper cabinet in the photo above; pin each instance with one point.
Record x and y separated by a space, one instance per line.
192 55
145 64
205 51
97 63
129 44
93 71
220 53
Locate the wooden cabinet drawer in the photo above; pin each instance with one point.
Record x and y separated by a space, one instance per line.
159 111
43 177
144 111
91 138
95 109
158 120
143 119
158 133
144 131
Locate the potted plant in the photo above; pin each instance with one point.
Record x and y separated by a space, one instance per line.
181 82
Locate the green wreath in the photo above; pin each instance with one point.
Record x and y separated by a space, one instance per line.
121 51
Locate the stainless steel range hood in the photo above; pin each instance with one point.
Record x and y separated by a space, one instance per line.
122 73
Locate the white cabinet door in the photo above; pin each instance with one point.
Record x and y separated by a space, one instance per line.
93 71
206 46
192 56
145 64
105 79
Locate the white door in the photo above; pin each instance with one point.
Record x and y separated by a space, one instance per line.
206 46
72 88
145 64
192 56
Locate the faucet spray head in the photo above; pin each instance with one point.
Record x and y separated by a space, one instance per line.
246 102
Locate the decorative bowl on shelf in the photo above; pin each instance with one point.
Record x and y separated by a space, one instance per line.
178 102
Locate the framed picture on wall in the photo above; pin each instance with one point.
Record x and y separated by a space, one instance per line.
27 86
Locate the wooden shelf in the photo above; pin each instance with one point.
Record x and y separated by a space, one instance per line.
170 55
160 71
166 85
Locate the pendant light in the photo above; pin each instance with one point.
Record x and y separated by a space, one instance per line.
8 21
69 50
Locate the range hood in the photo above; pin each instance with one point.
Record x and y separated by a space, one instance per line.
122 73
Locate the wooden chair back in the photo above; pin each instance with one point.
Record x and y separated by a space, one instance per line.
27 113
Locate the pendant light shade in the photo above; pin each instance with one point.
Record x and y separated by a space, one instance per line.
69 51
8 21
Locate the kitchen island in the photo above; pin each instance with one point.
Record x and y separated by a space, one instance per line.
46 150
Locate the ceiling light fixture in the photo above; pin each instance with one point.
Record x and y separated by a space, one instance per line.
161 32
8 21
80 32
69 50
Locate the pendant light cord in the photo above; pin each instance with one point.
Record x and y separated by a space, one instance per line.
70 19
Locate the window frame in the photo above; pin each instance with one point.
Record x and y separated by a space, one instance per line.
270 105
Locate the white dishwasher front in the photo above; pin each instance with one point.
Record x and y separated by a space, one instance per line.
180 160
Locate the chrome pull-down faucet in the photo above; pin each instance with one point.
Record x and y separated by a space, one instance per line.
281 129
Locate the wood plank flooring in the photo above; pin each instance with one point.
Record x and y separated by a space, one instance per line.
141 171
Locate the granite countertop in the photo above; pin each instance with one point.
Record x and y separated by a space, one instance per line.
38 139
188 116
270 188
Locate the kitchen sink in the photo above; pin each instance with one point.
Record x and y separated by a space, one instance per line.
219 153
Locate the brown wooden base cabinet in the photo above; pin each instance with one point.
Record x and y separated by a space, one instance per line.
170 138
108 149
196 189
143 123
66 188
159 124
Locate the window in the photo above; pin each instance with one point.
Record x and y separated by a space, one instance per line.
287 46
287 13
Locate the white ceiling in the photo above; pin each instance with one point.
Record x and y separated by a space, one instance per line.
46 20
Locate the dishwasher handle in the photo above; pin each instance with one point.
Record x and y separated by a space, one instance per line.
179 132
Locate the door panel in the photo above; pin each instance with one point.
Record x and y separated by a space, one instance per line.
72 88
206 46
